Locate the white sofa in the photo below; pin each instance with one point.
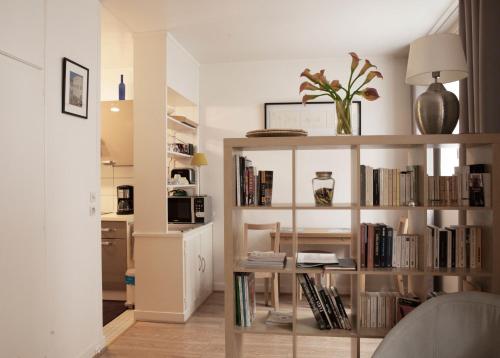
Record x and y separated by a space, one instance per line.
459 325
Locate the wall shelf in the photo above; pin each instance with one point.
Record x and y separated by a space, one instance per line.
306 325
177 125
179 155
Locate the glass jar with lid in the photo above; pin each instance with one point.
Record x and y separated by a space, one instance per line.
323 186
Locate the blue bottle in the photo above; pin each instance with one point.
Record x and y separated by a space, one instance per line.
121 90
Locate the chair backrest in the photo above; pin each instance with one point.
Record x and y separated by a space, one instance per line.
273 227
457 325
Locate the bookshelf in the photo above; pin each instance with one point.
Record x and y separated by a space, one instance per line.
474 148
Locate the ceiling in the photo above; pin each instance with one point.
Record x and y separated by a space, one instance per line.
252 30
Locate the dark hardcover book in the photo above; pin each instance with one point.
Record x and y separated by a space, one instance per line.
378 238
370 252
376 187
453 246
338 316
467 246
319 304
237 301
478 168
363 243
476 189
269 187
340 304
242 180
443 248
362 186
328 308
389 243
383 247
310 299
262 187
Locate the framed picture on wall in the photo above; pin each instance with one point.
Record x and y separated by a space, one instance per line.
75 89
317 118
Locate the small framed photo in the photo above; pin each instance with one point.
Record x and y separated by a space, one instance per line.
75 89
317 118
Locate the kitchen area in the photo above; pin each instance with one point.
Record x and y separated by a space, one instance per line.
156 230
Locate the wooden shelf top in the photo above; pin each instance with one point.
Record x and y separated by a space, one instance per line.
307 326
431 272
380 141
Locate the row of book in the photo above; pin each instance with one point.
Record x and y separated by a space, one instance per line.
244 293
379 247
453 247
385 309
253 187
326 304
389 187
469 186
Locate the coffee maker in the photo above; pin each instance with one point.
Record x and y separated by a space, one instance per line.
125 195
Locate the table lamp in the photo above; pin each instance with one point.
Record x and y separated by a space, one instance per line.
198 160
434 60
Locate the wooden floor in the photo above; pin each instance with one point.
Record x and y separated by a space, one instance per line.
203 337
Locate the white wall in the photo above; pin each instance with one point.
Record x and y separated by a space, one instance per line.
183 70
50 259
117 57
232 97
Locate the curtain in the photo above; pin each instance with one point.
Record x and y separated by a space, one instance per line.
479 28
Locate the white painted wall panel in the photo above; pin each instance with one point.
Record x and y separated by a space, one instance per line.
183 71
22 242
22 29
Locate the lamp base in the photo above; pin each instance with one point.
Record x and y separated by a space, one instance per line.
437 110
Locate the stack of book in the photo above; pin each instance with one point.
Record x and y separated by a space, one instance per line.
385 309
253 187
276 318
389 187
326 304
453 247
244 293
381 248
265 259
470 186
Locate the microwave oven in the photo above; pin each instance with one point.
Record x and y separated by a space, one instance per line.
189 209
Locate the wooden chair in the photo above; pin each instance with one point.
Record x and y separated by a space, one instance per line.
267 276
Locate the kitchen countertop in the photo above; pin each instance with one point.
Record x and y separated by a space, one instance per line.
115 217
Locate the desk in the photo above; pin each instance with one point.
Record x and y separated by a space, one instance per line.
315 236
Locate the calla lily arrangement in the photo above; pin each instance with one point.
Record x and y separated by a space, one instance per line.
342 96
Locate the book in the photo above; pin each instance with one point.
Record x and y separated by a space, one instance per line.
308 292
276 318
245 304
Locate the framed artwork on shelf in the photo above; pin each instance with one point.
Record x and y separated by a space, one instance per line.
75 89
317 118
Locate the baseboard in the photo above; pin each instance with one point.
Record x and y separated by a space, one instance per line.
94 350
158 316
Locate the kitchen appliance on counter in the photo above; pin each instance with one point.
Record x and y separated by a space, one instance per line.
125 196
187 173
189 209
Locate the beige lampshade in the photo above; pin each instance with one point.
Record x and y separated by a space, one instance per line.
439 52
199 159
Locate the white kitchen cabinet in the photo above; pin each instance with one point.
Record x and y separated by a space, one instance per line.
198 267
173 273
